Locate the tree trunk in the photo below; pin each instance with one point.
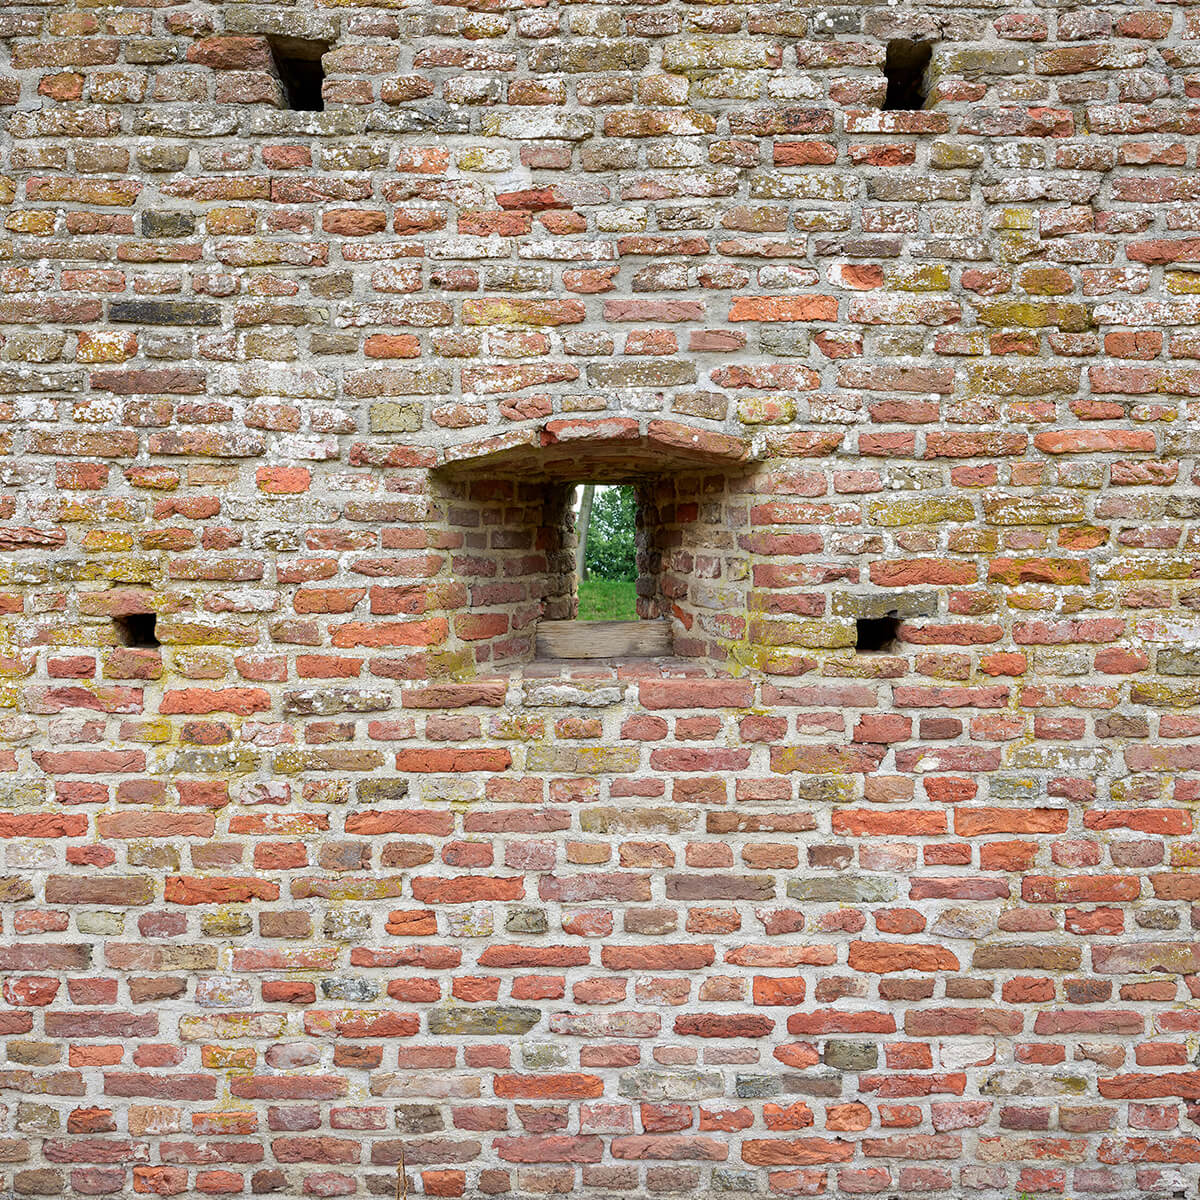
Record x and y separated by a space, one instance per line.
581 525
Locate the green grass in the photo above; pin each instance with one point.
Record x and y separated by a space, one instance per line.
607 600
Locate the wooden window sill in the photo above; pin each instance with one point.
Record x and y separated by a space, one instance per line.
603 639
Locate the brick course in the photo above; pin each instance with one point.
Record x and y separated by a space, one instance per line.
338 881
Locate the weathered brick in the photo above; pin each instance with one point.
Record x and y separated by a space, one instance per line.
896 843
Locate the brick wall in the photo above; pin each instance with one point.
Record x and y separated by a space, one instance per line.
336 879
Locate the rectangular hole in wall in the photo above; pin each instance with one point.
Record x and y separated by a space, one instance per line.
877 635
138 630
298 64
905 67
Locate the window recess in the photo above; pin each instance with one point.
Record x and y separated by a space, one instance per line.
518 497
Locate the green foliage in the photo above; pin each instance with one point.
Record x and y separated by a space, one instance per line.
607 600
611 551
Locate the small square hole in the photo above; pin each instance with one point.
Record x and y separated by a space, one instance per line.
137 630
877 635
905 67
298 64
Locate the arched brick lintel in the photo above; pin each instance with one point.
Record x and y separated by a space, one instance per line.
596 449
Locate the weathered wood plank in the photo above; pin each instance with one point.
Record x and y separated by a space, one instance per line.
603 639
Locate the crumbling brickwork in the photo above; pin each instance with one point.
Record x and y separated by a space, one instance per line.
314 876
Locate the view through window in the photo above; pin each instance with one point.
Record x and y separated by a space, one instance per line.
606 521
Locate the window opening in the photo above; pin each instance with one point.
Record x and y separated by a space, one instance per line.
137 630
877 634
300 70
608 572
606 556
905 68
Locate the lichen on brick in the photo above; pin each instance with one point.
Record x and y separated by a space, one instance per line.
325 876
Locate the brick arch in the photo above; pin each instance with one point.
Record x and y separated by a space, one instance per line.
610 448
